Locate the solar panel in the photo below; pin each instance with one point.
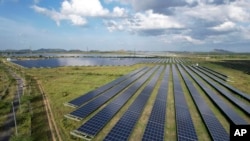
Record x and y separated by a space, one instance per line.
245 108
184 124
122 129
153 132
92 61
216 130
213 73
228 112
213 125
231 88
88 96
133 113
90 107
98 121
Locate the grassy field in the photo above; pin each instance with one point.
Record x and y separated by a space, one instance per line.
66 83
30 116
7 91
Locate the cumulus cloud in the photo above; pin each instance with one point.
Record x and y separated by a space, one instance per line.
226 26
191 21
57 17
145 23
77 11
155 5
89 8
119 12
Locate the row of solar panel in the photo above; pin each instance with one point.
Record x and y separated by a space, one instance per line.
93 126
215 128
244 107
155 126
233 117
223 75
91 106
88 96
134 111
184 124
218 76
169 60
154 130
231 88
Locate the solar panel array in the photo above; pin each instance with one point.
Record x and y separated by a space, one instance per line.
110 98
124 127
218 76
92 61
155 127
88 96
98 121
213 125
233 117
184 123
218 73
90 107
244 107
231 88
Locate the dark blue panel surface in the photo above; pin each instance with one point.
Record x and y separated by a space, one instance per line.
130 117
98 121
215 128
228 112
184 123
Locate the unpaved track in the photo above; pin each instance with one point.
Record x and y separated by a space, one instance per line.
52 124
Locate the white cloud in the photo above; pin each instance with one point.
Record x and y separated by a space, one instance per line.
57 17
89 8
226 26
189 21
113 26
237 13
179 38
77 20
119 12
77 11
150 20
147 22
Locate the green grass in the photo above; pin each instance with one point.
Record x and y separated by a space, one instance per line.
66 83
30 116
170 124
7 91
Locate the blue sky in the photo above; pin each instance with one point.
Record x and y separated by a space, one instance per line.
151 25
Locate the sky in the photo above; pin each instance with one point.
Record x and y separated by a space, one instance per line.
146 25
